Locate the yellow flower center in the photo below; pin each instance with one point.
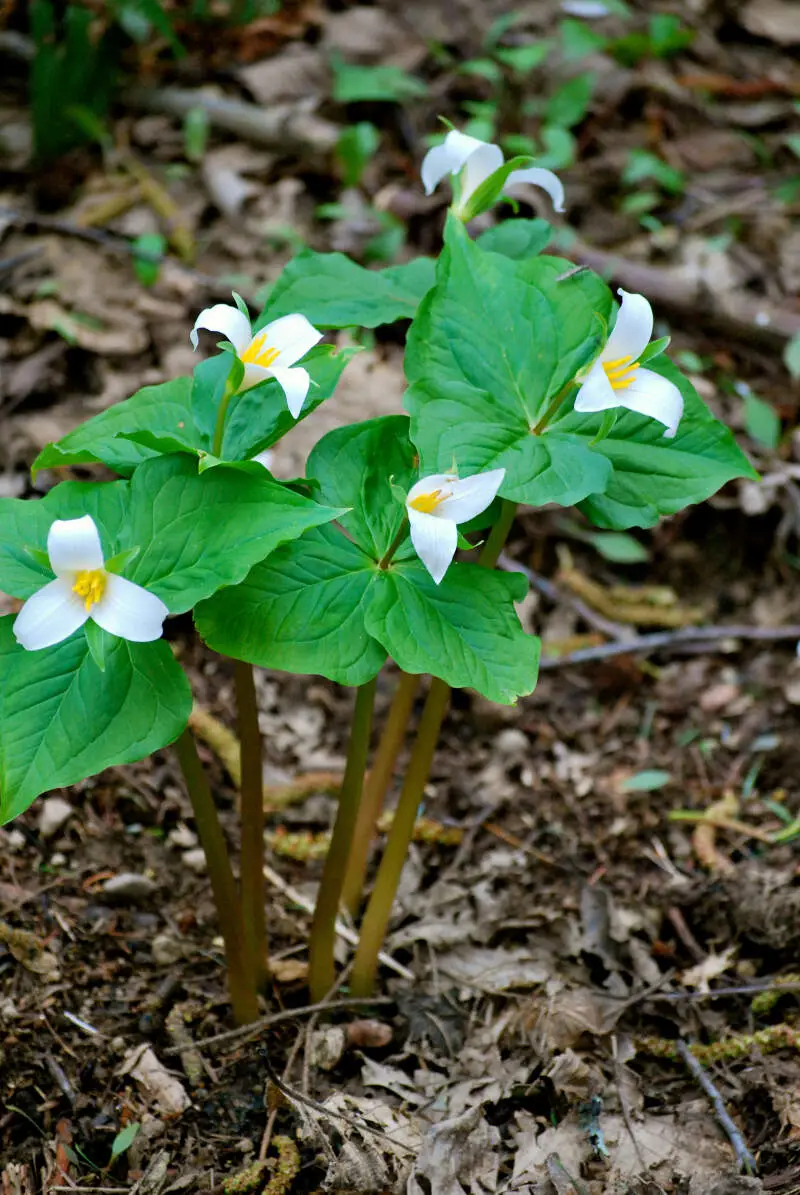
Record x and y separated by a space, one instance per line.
90 584
258 352
426 504
620 373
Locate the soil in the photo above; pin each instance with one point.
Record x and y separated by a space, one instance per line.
563 929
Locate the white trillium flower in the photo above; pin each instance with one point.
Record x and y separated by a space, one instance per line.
617 380
84 589
437 504
270 353
476 160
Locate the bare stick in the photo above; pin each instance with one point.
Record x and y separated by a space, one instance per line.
743 1156
554 593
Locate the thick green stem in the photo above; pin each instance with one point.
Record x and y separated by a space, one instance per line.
241 981
321 970
375 789
252 791
498 535
376 918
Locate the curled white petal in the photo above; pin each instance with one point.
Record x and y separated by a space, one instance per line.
254 375
633 329
73 545
129 611
597 393
468 496
482 162
430 484
651 394
447 158
228 321
435 541
49 616
540 177
295 383
292 336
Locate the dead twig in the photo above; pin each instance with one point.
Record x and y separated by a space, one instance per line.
746 317
668 640
744 1158
245 1032
555 594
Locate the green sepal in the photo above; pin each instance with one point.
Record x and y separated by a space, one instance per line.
119 562
97 640
487 194
654 349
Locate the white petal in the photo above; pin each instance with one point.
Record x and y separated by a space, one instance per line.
435 541
295 383
633 328
479 165
540 177
74 545
129 611
584 8
597 393
51 615
429 485
470 495
650 394
292 336
447 158
254 375
227 320
264 458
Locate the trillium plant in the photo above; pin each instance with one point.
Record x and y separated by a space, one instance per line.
529 383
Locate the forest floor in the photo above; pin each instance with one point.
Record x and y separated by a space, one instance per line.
559 932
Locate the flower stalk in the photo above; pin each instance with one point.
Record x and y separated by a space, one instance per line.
376 787
321 970
376 918
252 812
241 980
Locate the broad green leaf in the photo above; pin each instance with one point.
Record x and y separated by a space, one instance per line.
354 84
519 239
652 475
124 1139
494 343
567 105
301 611
618 547
645 782
465 631
356 467
62 719
333 292
194 532
162 410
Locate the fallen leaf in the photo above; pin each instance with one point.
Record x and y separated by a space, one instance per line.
495 970
166 1092
458 1157
712 967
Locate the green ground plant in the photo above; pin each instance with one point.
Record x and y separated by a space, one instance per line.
528 384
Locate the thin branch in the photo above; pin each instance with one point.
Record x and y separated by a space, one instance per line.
554 593
743 1156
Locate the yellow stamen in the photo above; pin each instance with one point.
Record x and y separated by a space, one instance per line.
257 352
621 372
426 504
90 584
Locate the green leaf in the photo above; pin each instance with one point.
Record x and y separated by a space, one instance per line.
761 421
300 611
578 40
356 145
359 467
567 106
162 410
194 532
524 59
654 476
645 782
465 630
62 719
124 1139
618 547
147 255
519 239
356 84
260 417
490 190
492 346
642 164
333 292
